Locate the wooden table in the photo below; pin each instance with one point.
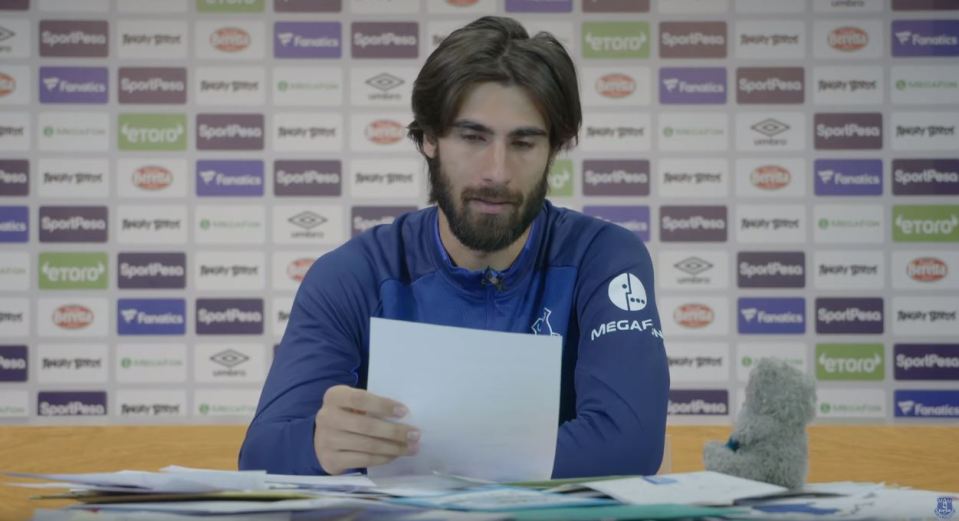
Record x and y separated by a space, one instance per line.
918 456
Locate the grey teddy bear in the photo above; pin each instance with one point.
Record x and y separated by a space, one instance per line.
768 442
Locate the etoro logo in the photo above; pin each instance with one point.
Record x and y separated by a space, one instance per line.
73 270
615 85
615 39
850 362
770 177
848 39
152 132
933 223
230 39
694 315
72 316
385 132
627 292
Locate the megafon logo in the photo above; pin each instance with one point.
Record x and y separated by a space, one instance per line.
770 177
72 316
152 178
297 268
927 269
385 132
8 84
694 315
230 39
615 85
627 292
848 38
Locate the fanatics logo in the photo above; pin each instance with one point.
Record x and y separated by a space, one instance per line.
626 292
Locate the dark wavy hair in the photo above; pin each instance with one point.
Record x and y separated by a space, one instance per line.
497 49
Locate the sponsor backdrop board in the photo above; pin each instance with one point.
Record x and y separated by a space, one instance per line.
170 170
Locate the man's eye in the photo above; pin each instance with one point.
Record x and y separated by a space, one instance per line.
522 144
475 138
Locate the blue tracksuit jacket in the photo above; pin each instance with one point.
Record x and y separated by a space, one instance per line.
584 279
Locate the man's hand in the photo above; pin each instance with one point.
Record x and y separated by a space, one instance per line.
352 431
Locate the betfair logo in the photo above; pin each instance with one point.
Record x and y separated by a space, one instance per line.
152 132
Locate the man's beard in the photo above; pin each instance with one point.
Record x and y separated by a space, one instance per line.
481 231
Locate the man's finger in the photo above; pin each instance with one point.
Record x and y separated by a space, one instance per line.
352 442
355 460
371 404
375 427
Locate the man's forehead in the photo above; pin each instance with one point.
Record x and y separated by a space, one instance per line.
478 126
499 108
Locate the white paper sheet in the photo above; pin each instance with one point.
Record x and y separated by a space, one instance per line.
689 488
173 482
486 402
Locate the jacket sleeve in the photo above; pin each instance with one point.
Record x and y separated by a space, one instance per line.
621 377
320 348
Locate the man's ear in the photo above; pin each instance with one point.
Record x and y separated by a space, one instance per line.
429 146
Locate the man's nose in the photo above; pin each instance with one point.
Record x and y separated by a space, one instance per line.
496 171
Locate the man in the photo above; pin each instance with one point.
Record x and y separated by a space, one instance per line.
492 108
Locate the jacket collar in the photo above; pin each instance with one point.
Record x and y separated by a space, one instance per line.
478 280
